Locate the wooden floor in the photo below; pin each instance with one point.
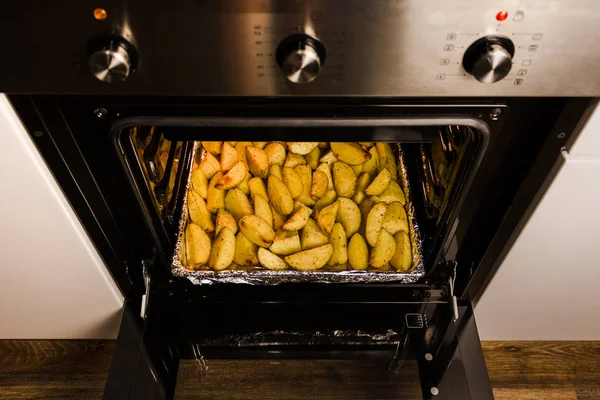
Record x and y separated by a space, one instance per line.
77 370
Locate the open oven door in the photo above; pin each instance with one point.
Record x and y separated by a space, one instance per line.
401 344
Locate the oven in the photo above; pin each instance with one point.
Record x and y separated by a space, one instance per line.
174 129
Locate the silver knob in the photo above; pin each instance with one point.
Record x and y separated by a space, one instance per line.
111 64
489 59
302 65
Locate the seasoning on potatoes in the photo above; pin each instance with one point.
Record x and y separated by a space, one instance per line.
311 235
197 245
271 261
213 147
344 179
225 220
374 221
293 182
305 174
319 185
257 186
395 218
276 153
237 203
215 198
339 241
258 161
327 216
298 219
222 251
402 259
302 148
358 252
292 160
350 153
280 197
286 243
380 183
209 165
384 249
348 215
198 211
200 182
312 158
310 260
257 230
229 157
387 159
245 251
262 209
233 177
393 193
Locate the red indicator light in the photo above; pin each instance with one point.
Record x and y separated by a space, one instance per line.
501 16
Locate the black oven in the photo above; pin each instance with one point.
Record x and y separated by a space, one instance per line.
120 99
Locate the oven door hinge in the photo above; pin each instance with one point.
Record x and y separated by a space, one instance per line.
452 300
146 296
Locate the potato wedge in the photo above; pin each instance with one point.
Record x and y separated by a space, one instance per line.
329 158
327 216
380 183
198 211
402 259
275 170
240 148
367 145
286 243
393 193
232 144
276 153
344 179
339 241
362 182
298 219
233 177
395 218
371 167
243 186
209 165
215 198
225 220
257 186
222 251
320 182
280 197
328 199
278 219
384 249
293 182
358 252
257 230
262 209
292 160
270 260
387 159
374 221
350 153
358 169
348 215
324 145
200 182
260 145
245 251
312 158
237 203
197 245
258 161
213 148
310 260
302 148
305 174
325 168
229 157
312 236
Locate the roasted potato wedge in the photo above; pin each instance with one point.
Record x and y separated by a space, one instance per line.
275 170
312 158
371 167
339 241
326 169
344 179
298 219
387 159
260 145
358 252
293 182
402 259
348 215
380 183
270 260
311 235
257 186
225 220
258 161
262 209
200 182
280 197
327 216
310 260
367 145
240 148
293 160
213 148
197 245
198 211
393 193
243 186
237 203
286 243
233 177
374 221
215 198
276 153
302 148
257 230
320 182
305 174
365 207
395 218
329 198
329 158
245 251
229 157
278 219
384 249
209 165
362 182
222 251
350 153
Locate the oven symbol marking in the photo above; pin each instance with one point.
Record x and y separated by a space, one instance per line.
449 47
518 82
440 77
414 320
526 63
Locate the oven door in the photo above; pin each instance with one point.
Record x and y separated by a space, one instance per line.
232 342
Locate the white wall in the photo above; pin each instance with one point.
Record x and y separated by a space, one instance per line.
548 287
53 283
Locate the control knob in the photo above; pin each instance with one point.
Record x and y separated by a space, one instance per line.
112 61
489 59
301 58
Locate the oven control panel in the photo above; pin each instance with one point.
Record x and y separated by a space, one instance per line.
310 47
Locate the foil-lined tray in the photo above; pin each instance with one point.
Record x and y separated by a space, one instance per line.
259 275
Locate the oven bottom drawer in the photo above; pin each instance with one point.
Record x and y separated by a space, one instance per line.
236 350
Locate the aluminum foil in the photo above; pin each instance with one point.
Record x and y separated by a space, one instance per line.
261 276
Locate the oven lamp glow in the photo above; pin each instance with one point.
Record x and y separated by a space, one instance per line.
501 16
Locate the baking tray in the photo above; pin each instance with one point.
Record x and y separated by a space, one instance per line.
258 275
